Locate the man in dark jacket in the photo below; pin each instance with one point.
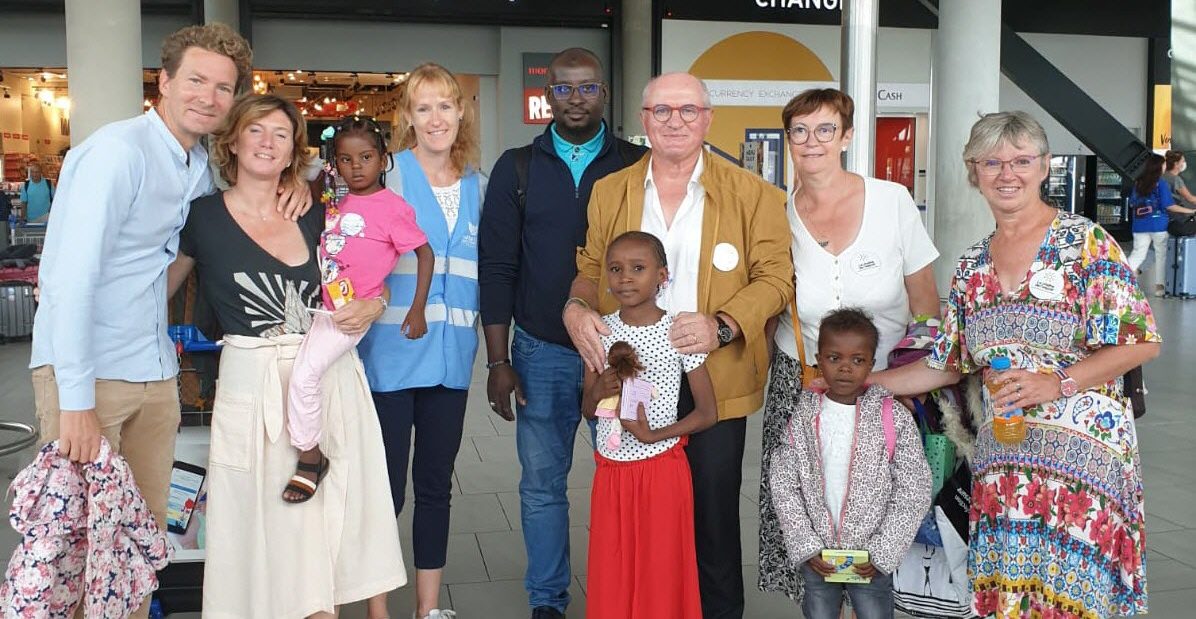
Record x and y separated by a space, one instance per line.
532 224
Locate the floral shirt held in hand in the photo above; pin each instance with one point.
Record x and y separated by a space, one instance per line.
1057 522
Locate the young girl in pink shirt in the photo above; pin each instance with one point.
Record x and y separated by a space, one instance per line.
364 234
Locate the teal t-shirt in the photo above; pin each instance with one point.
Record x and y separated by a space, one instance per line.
578 156
36 199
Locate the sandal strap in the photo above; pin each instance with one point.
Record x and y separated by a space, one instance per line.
306 483
309 467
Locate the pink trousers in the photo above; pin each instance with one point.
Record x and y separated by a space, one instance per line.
322 346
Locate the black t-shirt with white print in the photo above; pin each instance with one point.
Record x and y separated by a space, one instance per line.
252 292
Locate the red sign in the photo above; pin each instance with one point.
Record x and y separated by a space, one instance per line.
535 107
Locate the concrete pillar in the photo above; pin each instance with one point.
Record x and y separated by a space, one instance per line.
1183 84
967 82
227 12
637 61
103 61
857 78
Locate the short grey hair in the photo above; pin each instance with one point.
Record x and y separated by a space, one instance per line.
652 82
993 130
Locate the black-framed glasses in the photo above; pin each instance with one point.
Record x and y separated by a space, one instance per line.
663 113
800 134
562 92
992 167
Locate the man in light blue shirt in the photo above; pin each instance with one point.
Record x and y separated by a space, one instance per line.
36 193
102 362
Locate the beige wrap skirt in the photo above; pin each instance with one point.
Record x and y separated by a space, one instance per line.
269 558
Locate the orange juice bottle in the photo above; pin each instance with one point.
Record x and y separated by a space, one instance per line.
1008 428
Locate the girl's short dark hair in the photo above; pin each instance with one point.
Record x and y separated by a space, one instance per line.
642 237
849 320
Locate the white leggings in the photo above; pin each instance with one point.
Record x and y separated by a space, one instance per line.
1142 242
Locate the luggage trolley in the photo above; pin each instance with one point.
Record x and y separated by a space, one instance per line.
28 234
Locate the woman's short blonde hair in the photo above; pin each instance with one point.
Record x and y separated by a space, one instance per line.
466 150
1016 128
250 108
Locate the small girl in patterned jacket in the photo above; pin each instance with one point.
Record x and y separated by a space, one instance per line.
850 475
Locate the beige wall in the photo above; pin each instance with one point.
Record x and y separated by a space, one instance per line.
25 114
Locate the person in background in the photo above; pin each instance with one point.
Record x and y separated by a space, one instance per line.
725 237
37 192
527 246
1050 291
1151 205
1175 166
420 385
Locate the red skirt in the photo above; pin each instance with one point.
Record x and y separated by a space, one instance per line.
642 562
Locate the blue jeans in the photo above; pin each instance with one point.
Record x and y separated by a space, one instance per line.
544 433
824 600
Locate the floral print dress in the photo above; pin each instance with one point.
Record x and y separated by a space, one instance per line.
1057 522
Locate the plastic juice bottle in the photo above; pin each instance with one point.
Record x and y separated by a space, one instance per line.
1008 428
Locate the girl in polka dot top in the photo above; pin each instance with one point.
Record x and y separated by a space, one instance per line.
642 561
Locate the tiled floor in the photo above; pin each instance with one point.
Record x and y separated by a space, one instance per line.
483 578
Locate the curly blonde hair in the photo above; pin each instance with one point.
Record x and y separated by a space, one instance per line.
248 109
214 37
466 150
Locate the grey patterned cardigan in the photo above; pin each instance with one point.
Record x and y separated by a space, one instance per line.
885 501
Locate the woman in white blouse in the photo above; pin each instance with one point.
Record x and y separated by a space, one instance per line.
857 242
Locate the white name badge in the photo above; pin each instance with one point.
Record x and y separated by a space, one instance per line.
1047 285
726 257
866 263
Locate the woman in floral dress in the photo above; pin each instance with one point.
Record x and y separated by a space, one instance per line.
1057 521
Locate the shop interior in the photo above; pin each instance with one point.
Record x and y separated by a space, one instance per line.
35 108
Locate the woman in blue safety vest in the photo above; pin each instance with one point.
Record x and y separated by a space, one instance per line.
421 384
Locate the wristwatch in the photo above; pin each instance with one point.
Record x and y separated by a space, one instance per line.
725 334
493 364
1067 384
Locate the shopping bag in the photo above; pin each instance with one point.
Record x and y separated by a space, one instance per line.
940 451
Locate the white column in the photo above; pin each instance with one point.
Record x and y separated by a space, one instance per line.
857 78
1183 83
103 62
637 61
227 12
967 81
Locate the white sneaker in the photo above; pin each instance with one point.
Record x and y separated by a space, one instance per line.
437 614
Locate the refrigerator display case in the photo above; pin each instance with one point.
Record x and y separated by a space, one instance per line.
1110 204
1064 185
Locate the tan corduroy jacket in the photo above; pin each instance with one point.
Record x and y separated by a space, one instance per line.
741 210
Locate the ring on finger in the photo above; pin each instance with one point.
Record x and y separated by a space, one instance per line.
1019 387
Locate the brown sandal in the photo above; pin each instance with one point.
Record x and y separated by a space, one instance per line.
303 486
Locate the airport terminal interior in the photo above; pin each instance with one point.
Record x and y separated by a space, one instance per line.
1111 82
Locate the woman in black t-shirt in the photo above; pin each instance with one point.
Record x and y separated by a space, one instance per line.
267 557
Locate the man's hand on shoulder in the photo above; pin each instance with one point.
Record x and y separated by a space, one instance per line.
586 329
693 333
79 435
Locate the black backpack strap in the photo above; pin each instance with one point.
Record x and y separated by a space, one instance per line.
629 152
523 162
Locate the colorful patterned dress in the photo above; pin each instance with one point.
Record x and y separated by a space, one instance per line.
1057 522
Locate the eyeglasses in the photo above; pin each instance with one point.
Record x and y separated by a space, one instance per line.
993 167
664 113
800 134
562 92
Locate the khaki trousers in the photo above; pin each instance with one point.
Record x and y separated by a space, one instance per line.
140 421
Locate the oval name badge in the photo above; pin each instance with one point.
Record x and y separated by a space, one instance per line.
1047 285
725 257
866 263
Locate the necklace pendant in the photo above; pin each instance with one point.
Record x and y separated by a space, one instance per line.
823 243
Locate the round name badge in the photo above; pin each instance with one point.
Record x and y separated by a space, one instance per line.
352 224
726 257
1047 285
866 263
